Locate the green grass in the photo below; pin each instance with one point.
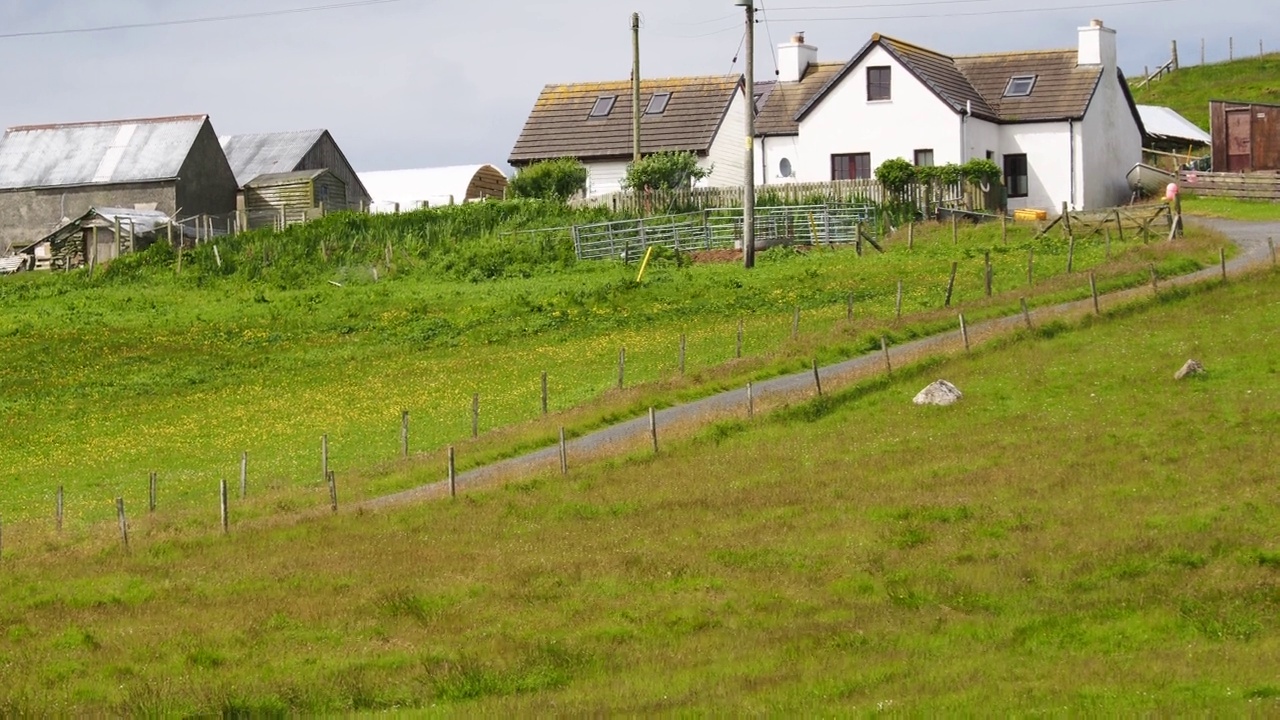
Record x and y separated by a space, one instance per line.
1189 90
1080 535
1232 209
141 369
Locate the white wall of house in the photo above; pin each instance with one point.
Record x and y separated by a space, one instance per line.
982 136
770 152
728 154
605 176
845 122
1048 147
1112 145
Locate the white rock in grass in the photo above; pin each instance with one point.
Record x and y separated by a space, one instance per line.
1191 369
941 393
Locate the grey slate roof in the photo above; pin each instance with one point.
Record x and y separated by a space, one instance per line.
97 153
782 100
267 153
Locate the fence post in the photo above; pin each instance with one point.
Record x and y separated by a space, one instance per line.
59 508
333 491
1108 243
795 324
987 272
683 346
124 523
324 456
154 491
544 392
1026 314
222 505
1093 288
751 401
955 229
884 347
951 284
622 366
244 475
453 473
817 379
1222 260
564 453
653 428
475 416
898 304
964 332
1071 254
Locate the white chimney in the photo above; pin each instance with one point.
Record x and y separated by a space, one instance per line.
794 58
1097 45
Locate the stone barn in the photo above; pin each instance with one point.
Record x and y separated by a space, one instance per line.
50 174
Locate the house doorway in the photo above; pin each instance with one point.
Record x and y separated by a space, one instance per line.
1240 140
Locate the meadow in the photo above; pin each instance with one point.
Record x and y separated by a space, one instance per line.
177 365
1080 534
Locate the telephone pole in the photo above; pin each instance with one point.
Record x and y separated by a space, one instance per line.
749 181
635 87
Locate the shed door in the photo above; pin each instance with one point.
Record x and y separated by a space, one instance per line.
1239 141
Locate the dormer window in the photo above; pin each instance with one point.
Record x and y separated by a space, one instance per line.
1020 86
658 103
604 106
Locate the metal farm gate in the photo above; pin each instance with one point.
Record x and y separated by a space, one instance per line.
722 228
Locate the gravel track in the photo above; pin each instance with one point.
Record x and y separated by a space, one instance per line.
633 435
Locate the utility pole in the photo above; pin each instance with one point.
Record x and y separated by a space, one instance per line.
635 87
749 181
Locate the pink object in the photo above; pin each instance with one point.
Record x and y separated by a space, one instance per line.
1171 191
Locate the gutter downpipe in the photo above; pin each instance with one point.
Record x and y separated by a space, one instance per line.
1071 137
964 131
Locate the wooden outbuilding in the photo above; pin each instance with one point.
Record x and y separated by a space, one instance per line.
278 200
1246 136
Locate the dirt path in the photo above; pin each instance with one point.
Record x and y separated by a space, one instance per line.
634 435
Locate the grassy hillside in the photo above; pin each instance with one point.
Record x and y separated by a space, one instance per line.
1190 89
1079 534
143 369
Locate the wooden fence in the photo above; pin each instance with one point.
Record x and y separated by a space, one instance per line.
925 197
1247 186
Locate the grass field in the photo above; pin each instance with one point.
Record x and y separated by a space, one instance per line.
1189 90
1232 208
139 370
1080 534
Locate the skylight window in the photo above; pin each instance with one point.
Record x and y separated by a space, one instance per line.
1020 86
604 106
658 103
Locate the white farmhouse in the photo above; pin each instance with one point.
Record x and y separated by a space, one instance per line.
1061 123
593 123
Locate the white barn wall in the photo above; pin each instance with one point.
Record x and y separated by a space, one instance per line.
728 154
770 153
1048 149
1112 145
845 122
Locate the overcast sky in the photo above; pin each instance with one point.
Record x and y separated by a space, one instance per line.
420 83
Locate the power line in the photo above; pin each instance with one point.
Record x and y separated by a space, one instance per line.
199 20
979 13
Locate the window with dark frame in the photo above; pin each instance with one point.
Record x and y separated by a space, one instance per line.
851 166
1020 86
1015 175
658 103
924 158
878 87
604 106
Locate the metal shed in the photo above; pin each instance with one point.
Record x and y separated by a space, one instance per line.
282 199
1246 136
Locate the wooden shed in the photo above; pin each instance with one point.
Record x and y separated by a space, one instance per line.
282 199
1246 136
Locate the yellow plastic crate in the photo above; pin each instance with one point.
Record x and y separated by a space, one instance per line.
1027 214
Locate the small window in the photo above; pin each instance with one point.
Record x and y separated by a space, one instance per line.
924 158
878 84
604 106
658 104
991 155
1020 86
851 166
1015 175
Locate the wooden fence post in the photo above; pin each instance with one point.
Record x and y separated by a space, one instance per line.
683 347
222 505
59 508
964 332
884 347
955 229
1093 288
124 523
154 491
817 379
244 475
404 433
1026 314
951 284
622 366
453 474
751 401
1119 227
1066 219
653 428
1222 260
475 416
324 456
795 324
333 491
987 272
564 453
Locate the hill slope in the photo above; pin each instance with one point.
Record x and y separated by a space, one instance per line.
1189 90
1079 532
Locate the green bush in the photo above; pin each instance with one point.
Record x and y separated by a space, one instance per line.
664 171
896 175
555 180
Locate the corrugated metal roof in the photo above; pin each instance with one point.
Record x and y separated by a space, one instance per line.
285 178
411 188
119 151
267 153
1164 122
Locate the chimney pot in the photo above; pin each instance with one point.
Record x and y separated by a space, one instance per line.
1096 23
798 38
